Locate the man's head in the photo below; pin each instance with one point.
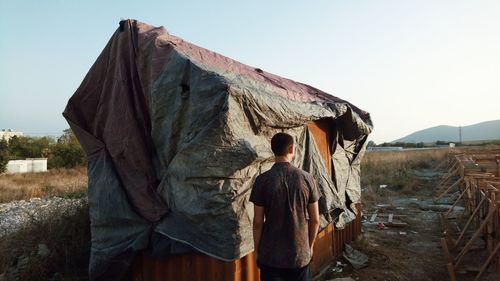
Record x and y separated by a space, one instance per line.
282 144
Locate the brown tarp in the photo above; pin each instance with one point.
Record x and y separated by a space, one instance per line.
175 135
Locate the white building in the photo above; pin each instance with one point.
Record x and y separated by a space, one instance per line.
30 165
8 134
384 148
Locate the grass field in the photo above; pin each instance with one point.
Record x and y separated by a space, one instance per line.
65 232
68 183
394 169
68 234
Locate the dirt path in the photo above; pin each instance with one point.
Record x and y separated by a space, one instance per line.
410 250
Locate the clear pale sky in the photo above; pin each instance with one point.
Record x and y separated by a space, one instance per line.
411 64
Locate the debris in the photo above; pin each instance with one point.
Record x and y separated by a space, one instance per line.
56 277
381 226
383 186
402 233
339 266
396 224
342 279
43 250
388 215
355 257
15 214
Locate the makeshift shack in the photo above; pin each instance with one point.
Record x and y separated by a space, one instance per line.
175 135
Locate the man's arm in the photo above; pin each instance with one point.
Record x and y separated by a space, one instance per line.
258 223
313 223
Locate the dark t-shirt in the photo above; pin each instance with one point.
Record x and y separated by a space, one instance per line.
284 191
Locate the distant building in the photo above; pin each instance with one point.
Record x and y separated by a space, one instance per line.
30 165
384 148
450 145
8 134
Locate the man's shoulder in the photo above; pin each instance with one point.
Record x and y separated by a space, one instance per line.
264 175
299 171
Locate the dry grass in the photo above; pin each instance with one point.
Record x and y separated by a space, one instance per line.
66 232
69 183
393 168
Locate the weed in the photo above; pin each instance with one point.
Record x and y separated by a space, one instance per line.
385 172
66 233
70 183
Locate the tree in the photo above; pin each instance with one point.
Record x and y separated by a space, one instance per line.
29 147
67 152
4 155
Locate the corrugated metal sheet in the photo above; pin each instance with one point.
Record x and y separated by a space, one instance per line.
198 267
195 267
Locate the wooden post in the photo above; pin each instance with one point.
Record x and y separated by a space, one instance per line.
469 222
448 189
446 251
498 165
451 272
485 265
474 237
458 199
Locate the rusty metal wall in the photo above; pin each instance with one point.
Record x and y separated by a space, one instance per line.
198 267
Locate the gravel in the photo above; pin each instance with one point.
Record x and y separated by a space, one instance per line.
15 214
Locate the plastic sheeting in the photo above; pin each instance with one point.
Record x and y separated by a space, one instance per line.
175 136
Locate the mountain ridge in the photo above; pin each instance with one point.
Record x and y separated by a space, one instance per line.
487 130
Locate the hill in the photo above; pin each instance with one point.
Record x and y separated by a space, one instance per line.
489 130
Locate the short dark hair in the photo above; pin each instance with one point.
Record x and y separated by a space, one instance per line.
280 143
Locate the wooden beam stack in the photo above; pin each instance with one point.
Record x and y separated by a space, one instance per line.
475 235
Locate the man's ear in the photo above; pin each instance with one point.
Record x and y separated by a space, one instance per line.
291 149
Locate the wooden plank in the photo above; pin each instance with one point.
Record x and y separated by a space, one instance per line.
321 132
446 251
448 189
390 218
396 224
387 215
469 221
372 219
458 199
485 265
474 237
451 272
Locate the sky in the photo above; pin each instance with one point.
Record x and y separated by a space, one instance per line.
412 64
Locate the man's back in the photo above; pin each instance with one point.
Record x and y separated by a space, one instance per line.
285 192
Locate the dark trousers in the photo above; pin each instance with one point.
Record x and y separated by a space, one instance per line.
284 274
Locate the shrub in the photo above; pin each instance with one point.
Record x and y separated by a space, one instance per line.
4 155
67 152
66 233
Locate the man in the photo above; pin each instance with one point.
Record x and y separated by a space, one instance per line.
286 216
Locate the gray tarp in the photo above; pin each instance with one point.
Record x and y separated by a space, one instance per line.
175 135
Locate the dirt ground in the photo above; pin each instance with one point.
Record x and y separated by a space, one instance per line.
402 252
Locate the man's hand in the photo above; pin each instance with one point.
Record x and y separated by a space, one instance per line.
313 223
258 223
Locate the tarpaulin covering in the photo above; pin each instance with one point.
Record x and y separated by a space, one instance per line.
175 135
